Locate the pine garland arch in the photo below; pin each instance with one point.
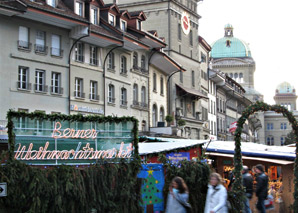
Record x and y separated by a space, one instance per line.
237 190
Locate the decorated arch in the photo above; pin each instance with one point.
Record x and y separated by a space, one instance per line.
237 190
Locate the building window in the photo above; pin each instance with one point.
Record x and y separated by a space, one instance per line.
161 114
228 42
40 42
181 77
154 82
143 62
111 19
193 78
123 66
40 81
190 38
123 97
135 94
79 8
23 78
161 85
182 107
179 32
139 25
51 3
154 115
56 46
135 60
203 58
111 61
79 52
111 97
93 55
241 77
282 141
56 82
94 16
143 95
79 88
93 91
269 126
193 109
23 42
283 125
123 25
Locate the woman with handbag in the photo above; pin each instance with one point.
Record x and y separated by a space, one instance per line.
216 200
178 197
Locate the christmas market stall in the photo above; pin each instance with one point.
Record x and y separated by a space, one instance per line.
278 163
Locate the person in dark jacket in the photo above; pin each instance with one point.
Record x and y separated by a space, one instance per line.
262 187
248 187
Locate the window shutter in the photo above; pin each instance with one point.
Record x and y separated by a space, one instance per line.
23 34
56 45
92 16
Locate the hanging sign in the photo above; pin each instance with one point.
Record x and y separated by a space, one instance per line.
54 142
185 23
179 156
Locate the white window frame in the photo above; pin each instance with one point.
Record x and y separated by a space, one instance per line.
40 80
93 55
79 8
123 28
94 15
79 87
93 90
123 96
23 78
123 65
112 19
40 41
24 37
56 83
111 95
56 45
79 52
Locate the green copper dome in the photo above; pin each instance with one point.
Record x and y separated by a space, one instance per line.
285 87
229 46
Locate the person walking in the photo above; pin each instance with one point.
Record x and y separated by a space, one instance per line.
177 197
248 187
262 187
216 200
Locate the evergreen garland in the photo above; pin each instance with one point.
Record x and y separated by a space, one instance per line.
105 187
196 176
237 194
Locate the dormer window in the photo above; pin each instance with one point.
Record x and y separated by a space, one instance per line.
79 8
111 19
228 43
139 25
94 16
123 25
51 3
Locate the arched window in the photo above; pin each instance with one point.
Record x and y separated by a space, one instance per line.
144 126
143 62
143 95
123 101
282 141
135 60
154 82
272 141
135 94
241 78
111 61
123 69
231 75
111 97
161 114
268 141
161 85
236 77
154 115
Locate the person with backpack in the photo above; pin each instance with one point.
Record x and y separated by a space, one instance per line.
262 187
216 200
248 187
178 197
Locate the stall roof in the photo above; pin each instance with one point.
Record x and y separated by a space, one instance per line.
250 149
282 162
167 144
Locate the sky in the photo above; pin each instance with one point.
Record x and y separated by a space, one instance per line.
270 27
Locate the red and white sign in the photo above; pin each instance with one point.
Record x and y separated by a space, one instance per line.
185 23
233 127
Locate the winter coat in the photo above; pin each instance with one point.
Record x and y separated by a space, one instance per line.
173 206
248 184
262 186
216 199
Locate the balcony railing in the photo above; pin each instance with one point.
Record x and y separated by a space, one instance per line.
56 90
23 85
56 52
123 103
79 58
135 103
24 45
144 105
40 88
94 97
41 49
78 94
94 61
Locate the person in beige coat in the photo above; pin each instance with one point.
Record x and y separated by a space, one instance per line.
216 200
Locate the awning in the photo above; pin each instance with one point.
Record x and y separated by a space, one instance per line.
282 162
165 63
192 92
